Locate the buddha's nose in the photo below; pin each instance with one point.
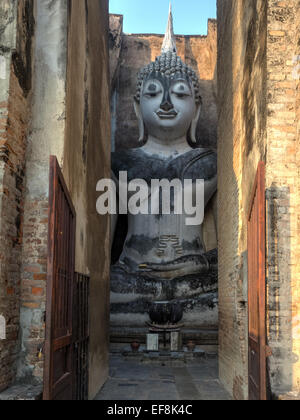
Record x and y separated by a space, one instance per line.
166 106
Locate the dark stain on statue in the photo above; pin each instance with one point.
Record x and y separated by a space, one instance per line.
142 243
199 163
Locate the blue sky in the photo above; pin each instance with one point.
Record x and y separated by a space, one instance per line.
150 16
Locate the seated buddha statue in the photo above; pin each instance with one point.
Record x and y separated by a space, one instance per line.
164 258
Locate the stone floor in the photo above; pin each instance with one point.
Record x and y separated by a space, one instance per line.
135 380
22 392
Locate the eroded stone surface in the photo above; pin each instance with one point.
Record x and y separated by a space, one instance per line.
22 393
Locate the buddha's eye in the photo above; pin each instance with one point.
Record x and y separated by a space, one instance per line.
152 90
152 94
181 90
181 95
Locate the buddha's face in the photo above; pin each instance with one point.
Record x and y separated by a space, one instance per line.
168 106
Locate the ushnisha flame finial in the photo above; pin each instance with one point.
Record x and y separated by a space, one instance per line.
168 64
169 44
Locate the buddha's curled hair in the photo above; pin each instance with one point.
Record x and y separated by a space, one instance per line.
168 64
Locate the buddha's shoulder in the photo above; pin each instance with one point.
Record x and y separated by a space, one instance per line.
195 157
202 153
200 161
122 160
137 161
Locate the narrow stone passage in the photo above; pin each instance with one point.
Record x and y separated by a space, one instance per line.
134 380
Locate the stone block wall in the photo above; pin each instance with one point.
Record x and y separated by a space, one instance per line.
16 37
130 52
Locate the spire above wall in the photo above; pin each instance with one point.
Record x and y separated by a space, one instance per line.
169 43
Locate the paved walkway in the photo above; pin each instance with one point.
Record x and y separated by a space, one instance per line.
136 381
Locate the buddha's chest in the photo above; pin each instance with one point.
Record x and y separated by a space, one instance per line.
194 165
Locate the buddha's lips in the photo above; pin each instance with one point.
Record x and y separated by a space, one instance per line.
167 115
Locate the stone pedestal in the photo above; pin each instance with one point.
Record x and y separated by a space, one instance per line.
2 328
152 342
176 341
200 310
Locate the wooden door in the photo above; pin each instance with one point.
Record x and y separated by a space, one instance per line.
257 288
60 278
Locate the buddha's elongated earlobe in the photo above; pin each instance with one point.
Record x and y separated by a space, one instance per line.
195 123
138 113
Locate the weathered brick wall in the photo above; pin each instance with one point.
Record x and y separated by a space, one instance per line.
283 197
138 50
33 289
259 120
241 145
15 85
